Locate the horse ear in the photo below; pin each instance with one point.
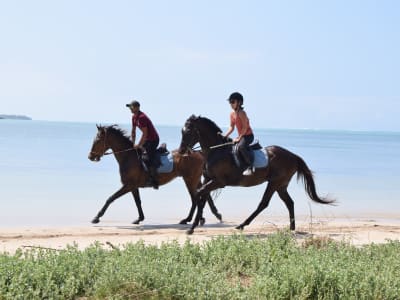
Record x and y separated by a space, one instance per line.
98 126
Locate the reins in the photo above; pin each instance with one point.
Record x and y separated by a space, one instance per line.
112 152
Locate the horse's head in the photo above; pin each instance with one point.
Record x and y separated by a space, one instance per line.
100 145
190 135
200 130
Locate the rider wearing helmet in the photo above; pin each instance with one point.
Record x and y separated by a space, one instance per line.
239 119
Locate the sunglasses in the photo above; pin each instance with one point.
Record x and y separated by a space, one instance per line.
232 101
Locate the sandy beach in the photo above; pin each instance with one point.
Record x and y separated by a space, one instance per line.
355 231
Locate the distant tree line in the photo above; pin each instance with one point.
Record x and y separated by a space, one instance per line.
15 117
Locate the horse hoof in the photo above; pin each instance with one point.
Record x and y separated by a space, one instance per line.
95 220
183 222
219 217
136 222
240 227
189 231
202 221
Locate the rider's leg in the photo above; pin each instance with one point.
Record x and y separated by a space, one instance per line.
247 153
151 147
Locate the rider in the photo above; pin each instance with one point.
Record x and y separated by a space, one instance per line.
238 118
149 139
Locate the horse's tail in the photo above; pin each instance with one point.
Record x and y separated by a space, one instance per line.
306 175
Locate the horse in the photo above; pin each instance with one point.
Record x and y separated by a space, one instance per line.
133 175
222 169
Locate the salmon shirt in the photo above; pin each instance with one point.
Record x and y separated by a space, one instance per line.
235 120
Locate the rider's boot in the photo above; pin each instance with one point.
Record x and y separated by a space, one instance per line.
249 171
248 157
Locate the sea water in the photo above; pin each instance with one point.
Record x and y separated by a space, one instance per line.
47 179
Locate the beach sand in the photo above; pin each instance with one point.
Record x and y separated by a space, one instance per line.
109 234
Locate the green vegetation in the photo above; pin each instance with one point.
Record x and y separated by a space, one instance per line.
225 268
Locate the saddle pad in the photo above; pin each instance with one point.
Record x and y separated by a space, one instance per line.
260 158
167 164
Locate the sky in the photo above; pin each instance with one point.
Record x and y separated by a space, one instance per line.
299 64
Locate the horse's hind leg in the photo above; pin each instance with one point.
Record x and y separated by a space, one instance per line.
263 204
122 191
284 195
136 196
210 201
213 208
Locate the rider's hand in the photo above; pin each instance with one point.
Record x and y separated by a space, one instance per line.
236 140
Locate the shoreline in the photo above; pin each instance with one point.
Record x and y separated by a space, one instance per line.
113 234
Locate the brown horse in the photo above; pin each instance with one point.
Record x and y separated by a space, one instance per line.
133 176
221 169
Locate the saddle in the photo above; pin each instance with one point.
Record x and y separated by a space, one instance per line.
260 156
161 161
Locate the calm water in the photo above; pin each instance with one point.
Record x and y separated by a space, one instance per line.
46 178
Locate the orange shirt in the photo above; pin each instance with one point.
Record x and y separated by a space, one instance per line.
235 120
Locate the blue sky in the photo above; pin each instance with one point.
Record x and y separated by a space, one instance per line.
299 64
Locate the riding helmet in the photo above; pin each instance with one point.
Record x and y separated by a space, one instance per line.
236 96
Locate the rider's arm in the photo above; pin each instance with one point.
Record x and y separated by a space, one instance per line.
231 127
133 134
143 137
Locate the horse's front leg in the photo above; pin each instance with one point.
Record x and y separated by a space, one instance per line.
191 186
136 196
122 191
191 212
201 198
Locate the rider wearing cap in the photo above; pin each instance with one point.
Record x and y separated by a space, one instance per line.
149 139
239 119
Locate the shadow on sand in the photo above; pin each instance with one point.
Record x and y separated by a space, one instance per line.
183 227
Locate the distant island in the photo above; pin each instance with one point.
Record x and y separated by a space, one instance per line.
15 117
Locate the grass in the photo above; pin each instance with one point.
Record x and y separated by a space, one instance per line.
224 268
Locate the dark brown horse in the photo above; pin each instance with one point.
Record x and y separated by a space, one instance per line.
133 176
221 169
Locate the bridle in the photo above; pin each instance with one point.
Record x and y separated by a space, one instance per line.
193 149
211 147
111 152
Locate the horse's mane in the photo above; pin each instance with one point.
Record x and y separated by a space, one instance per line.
211 123
115 129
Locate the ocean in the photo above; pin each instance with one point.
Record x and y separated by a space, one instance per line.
46 178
